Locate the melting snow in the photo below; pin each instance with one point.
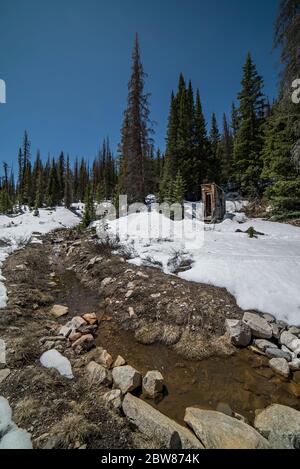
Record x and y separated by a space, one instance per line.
54 359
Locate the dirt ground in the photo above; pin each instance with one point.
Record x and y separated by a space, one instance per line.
61 413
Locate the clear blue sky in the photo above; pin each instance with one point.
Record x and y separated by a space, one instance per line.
66 64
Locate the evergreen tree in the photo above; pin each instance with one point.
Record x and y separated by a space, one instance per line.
214 162
89 209
134 148
178 189
52 193
248 140
226 151
68 196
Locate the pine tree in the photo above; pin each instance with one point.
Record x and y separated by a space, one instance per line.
68 196
89 209
214 161
52 193
178 189
248 140
134 148
226 151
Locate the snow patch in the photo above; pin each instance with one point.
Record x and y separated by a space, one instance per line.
54 359
11 437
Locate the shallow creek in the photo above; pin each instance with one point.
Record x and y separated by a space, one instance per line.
243 382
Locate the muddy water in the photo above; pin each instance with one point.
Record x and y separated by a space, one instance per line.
242 383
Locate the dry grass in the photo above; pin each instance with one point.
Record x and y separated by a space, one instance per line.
75 429
25 411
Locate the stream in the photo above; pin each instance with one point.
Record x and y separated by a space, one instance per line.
241 383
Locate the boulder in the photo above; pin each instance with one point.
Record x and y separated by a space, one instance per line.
269 317
260 328
157 426
126 378
59 310
280 425
280 366
153 384
98 374
290 341
219 431
278 353
85 341
2 354
239 332
120 361
103 357
282 325
263 344
90 318
74 336
295 364
294 330
114 398
77 322
276 331
4 374
65 331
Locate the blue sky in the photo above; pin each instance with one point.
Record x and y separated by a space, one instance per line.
66 64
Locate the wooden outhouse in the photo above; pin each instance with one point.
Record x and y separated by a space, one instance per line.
214 205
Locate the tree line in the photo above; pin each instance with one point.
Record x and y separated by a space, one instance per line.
257 150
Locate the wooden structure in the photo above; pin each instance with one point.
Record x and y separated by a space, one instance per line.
214 205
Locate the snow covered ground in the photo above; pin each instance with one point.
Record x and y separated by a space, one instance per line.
17 231
262 273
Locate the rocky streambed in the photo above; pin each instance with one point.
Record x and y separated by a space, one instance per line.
128 329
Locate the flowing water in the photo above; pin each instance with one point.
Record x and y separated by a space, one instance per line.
241 383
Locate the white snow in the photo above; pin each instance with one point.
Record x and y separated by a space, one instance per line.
54 359
263 274
17 231
11 437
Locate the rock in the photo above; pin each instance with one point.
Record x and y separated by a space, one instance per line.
2 354
114 398
77 322
263 344
277 353
280 366
290 341
129 293
4 374
282 325
106 281
157 426
259 326
120 361
131 312
287 350
86 341
74 336
295 364
65 331
49 344
269 318
239 332
219 431
294 330
276 331
88 329
98 374
280 425
90 318
94 261
59 310
126 378
103 357
142 274
153 384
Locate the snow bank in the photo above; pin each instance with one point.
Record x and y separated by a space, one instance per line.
17 231
263 274
54 359
11 437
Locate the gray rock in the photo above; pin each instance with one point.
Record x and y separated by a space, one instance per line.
59 310
294 330
2 354
269 317
290 341
4 374
282 325
239 332
157 426
259 326
287 350
98 374
263 344
295 364
280 366
276 331
126 378
103 357
114 398
106 281
219 431
280 425
153 384
278 353
65 331
120 361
